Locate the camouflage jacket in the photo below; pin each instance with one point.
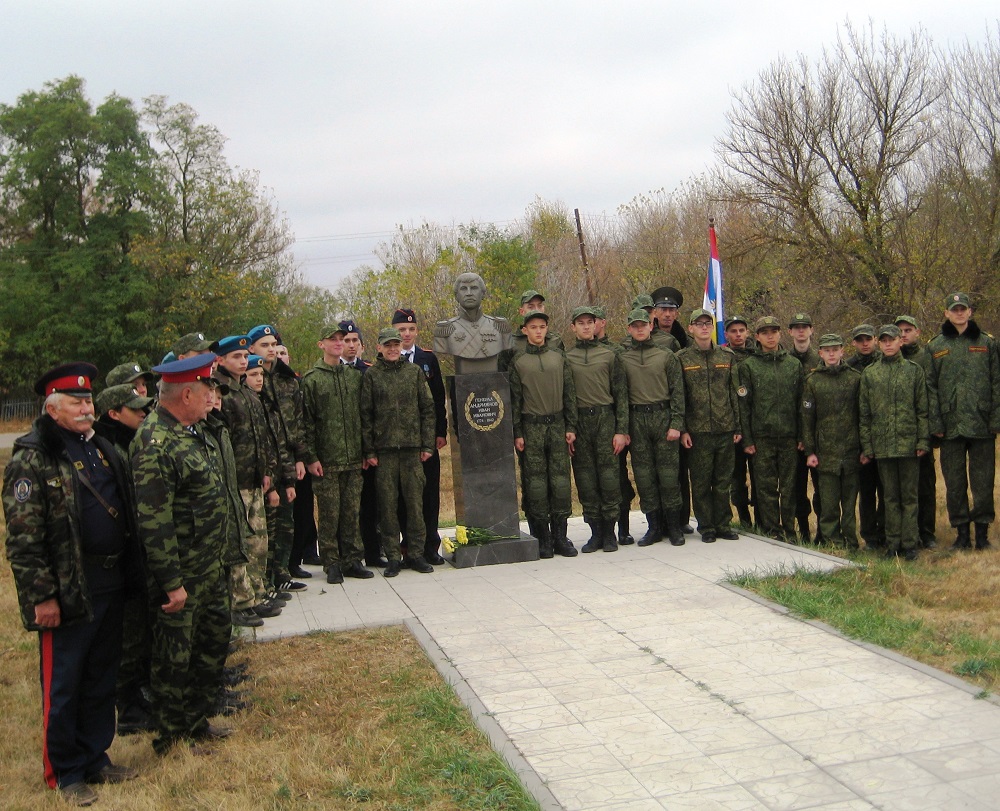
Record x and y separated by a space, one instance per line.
809 359
964 383
860 362
239 520
655 376
770 390
541 384
397 408
331 399
599 379
282 400
659 338
893 409
44 544
520 342
711 403
253 444
829 418
181 499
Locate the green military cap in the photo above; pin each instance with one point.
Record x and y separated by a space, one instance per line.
888 330
862 331
800 320
956 300
585 310
329 332
906 319
192 342
600 312
700 313
127 373
642 300
528 295
638 314
389 334
535 314
766 322
830 339
119 396
736 319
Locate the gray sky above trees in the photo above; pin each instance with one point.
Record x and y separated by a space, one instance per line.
365 116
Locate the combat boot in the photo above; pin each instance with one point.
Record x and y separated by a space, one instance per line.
609 542
653 529
962 541
544 539
674 531
982 536
596 541
624 537
561 544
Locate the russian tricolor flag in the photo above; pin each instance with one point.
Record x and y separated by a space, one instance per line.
713 287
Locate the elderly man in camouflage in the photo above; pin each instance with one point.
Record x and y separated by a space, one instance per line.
656 421
69 534
713 425
964 392
601 430
184 523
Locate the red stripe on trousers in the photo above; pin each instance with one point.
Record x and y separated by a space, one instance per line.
46 653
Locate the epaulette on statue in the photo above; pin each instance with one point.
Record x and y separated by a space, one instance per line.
442 329
503 325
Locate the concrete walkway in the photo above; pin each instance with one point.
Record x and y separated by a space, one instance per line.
635 680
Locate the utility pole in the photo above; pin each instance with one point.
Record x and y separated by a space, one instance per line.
583 257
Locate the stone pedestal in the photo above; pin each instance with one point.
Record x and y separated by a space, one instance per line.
482 455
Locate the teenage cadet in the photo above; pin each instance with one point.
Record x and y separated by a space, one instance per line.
770 391
602 428
742 495
894 430
331 395
141 379
531 302
800 329
712 418
397 435
913 349
871 502
830 439
656 421
965 416
543 410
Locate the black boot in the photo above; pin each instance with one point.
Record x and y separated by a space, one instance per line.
624 538
653 531
560 543
674 530
541 531
744 514
596 541
608 540
963 541
982 536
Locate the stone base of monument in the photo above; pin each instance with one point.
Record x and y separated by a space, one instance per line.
502 550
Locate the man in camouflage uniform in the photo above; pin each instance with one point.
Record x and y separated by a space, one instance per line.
397 436
531 301
964 392
894 430
871 503
913 349
185 520
712 419
770 391
601 430
70 540
656 421
138 378
801 330
830 439
543 409
331 393
742 495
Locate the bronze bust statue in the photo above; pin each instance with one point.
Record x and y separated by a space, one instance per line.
474 339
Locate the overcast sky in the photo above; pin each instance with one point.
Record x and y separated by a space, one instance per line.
362 116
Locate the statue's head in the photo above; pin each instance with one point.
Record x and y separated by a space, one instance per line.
470 289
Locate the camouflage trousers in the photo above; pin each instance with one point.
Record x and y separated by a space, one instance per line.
711 462
900 478
655 461
927 500
247 581
774 465
546 482
189 653
400 474
133 672
871 506
838 493
742 491
280 537
595 467
969 464
338 504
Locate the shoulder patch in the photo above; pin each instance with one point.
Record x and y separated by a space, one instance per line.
742 391
941 353
22 490
978 349
692 368
807 404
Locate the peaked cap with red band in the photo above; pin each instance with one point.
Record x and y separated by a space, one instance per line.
70 378
197 368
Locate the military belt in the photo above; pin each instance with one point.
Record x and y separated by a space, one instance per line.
590 411
542 419
103 561
648 408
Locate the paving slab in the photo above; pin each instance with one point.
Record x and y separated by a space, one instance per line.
639 679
